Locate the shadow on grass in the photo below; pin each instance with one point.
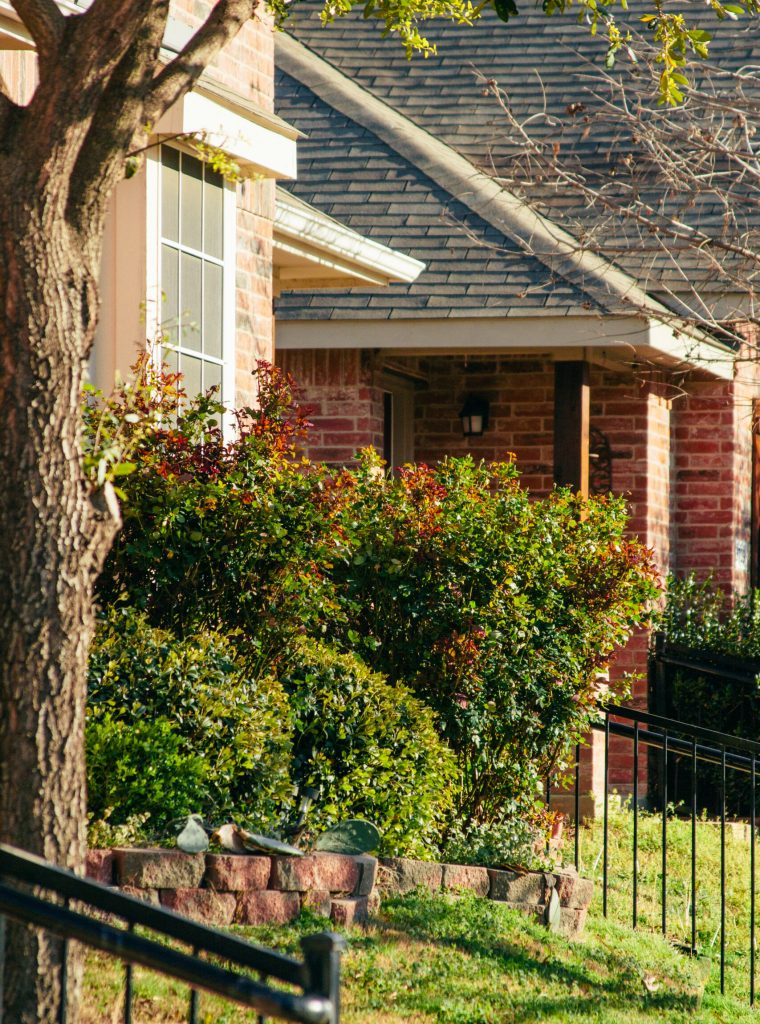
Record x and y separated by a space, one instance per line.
601 980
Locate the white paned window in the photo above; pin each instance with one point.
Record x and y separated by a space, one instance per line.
196 257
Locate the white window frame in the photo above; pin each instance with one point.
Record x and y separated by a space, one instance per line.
228 263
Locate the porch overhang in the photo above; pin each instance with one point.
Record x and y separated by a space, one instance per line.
616 339
311 250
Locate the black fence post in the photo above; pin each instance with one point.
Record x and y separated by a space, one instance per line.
322 953
605 826
658 678
3 923
577 806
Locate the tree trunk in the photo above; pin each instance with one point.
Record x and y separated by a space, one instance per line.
54 535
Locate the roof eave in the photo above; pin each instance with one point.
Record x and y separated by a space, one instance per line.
332 243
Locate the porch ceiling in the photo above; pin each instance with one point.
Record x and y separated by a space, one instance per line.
621 340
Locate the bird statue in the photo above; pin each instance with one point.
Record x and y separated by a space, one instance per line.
193 838
239 840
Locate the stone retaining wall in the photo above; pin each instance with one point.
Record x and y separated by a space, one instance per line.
224 889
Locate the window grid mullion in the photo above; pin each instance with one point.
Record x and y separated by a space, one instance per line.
181 248
192 252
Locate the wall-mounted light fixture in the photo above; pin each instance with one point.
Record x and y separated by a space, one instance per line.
474 416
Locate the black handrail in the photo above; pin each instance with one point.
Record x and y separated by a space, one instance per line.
685 728
27 867
317 975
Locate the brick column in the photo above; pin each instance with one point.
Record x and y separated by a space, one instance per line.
345 405
713 477
254 322
636 417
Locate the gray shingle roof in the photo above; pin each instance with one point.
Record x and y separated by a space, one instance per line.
444 95
472 268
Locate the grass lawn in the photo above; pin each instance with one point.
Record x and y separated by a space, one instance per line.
464 961
469 961
679 889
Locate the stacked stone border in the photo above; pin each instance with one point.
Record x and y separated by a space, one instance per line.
224 889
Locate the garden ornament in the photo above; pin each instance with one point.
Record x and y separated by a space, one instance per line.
239 840
228 838
353 836
308 797
193 838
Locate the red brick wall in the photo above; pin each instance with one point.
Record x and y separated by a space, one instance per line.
246 65
521 397
346 405
713 477
343 389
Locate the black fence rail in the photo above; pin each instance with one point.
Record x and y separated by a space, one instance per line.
36 893
694 747
716 691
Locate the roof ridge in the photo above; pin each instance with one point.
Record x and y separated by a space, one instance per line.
538 236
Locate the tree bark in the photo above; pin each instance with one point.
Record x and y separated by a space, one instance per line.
55 535
61 156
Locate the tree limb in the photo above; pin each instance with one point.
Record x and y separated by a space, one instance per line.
107 30
45 23
179 76
119 116
7 109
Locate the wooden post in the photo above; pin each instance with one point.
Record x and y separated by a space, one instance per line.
571 425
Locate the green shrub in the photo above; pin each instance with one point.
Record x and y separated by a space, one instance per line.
700 615
213 712
142 767
371 749
723 629
224 535
518 838
498 610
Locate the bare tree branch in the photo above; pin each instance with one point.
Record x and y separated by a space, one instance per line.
179 76
671 195
45 23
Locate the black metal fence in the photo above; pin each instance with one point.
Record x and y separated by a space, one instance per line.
35 892
715 691
696 749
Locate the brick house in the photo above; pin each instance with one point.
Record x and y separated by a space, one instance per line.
193 257
586 373
410 281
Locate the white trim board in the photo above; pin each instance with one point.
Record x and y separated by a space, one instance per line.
618 338
258 147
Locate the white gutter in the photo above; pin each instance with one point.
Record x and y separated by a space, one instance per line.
301 229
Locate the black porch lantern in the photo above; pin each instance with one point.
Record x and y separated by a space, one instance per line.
474 416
